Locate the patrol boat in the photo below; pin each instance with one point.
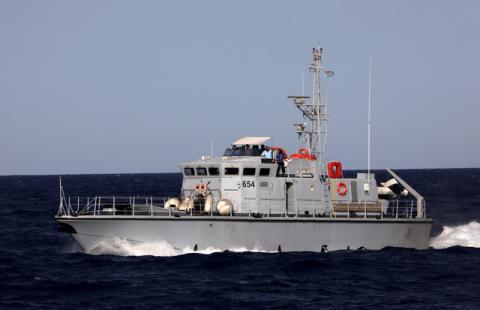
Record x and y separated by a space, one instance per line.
260 198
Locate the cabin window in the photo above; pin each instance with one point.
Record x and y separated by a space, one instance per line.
189 171
264 172
213 171
231 171
201 171
248 171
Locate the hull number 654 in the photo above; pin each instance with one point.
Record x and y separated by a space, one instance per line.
248 184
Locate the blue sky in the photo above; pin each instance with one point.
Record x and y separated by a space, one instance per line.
140 86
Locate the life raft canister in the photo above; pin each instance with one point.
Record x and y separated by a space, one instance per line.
342 188
304 153
335 169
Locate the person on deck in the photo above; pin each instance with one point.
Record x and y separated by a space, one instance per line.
281 165
267 153
248 150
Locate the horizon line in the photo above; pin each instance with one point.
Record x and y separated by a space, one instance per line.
179 172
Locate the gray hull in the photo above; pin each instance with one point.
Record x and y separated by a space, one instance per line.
266 234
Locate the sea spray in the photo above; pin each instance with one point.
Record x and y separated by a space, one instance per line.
122 247
467 235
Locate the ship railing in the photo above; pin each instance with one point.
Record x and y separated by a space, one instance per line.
113 205
151 206
403 209
126 206
392 209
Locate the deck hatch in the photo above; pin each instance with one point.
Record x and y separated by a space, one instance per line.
353 186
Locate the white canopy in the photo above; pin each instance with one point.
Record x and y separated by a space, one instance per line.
251 140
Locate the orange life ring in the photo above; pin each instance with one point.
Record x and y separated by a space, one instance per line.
342 188
200 187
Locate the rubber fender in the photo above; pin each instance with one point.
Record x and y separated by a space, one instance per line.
172 203
208 203
224 207
186 204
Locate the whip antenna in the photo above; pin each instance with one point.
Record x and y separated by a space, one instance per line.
369 112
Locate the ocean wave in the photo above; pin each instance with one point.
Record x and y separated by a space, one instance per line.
122 247
467 235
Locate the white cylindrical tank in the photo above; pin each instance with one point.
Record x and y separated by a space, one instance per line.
186 205
208 203
172 203
224 207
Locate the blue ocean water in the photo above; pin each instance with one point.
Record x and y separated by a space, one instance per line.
41 268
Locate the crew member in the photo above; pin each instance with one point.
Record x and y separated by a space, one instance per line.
281 165
267 153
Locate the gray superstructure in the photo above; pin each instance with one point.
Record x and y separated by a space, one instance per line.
245 199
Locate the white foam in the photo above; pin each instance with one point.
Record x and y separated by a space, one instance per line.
467 235
122 247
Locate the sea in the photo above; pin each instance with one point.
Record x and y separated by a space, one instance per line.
42 268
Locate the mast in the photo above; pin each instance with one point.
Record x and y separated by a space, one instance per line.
312 133
211 148
369 112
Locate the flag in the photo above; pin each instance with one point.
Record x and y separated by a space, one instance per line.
329 73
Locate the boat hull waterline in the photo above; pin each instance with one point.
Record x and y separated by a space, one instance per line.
272 234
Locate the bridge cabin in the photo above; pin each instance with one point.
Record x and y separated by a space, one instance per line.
254 184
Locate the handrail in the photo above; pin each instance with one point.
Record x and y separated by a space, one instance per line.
155 206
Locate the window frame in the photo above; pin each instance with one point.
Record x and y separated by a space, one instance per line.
237 168
250 169
263 169
192 169
212 168
201 168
